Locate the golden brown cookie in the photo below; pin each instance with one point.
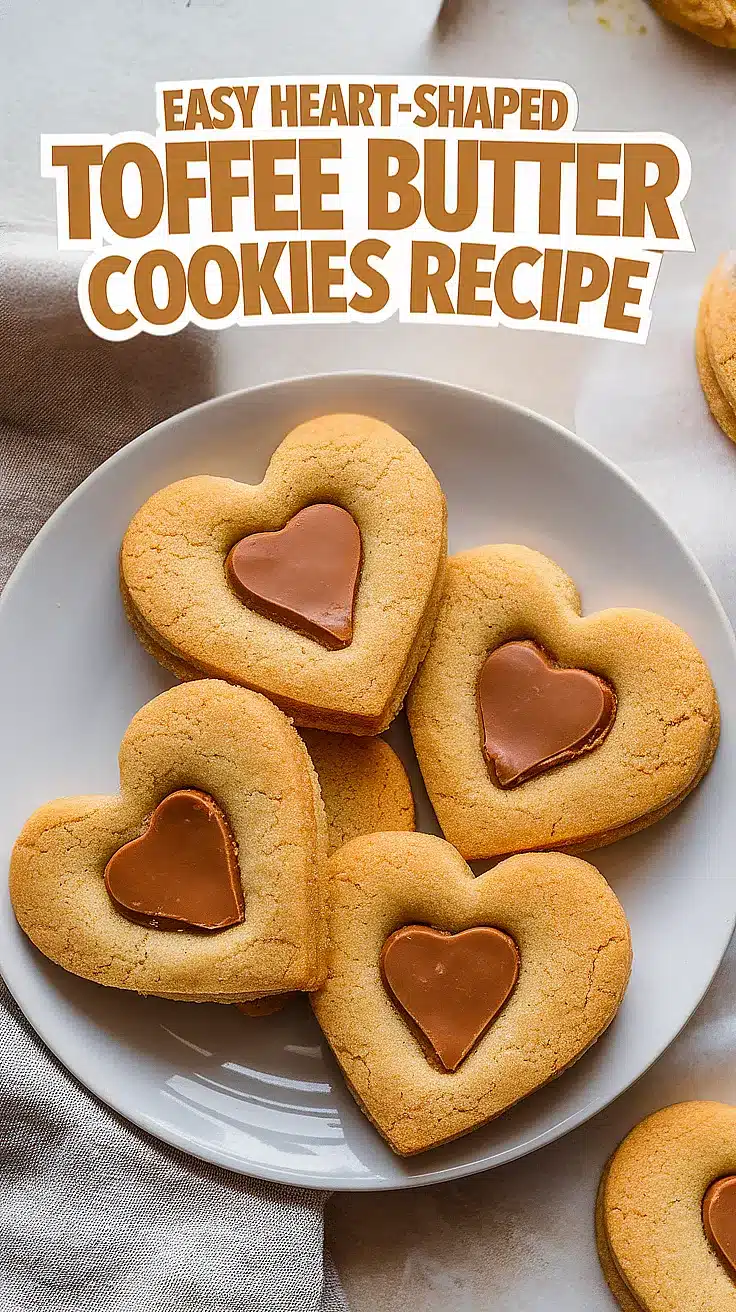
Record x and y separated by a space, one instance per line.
715 344
399 1011
611 766
255 584
654 1198
713 20
135 890
364 786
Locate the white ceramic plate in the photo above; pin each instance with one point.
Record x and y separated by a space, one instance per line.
264 1096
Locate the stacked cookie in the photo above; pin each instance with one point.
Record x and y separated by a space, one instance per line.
715 344
262 841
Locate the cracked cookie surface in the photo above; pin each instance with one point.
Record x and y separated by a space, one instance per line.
235 746
575 951
179 602
651 1241
660 744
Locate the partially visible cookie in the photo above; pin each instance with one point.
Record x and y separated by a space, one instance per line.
364 786
203 878
537 727
715 344
318 587
666 1212
450 997
713 20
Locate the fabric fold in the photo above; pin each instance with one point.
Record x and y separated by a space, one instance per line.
93 1213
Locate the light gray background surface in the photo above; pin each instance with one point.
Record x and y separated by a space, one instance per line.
519 1239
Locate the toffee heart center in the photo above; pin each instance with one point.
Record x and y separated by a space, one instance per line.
451 985
182 873
535 714
719 1220
305 575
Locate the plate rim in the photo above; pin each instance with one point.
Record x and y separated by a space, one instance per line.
165 1132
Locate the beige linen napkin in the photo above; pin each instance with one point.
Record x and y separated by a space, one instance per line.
94 1215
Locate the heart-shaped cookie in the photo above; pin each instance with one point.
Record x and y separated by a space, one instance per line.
575 955
451 985
634 733
181 595
666 1212
258 798
183 872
